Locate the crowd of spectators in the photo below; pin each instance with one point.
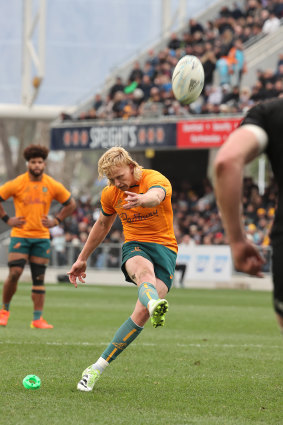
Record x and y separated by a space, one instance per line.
196 222
147 91
219 44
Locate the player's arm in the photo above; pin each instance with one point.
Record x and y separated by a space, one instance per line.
11 221
96 236
242 146
153 197
67 209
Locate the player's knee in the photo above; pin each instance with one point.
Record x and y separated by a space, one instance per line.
145 274
16 268
37 274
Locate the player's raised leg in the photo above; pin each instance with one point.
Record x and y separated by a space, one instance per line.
141 271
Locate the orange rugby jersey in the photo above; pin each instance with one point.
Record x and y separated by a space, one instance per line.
32 200
153 224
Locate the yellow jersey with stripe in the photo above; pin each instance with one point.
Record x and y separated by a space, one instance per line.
154 224
32 200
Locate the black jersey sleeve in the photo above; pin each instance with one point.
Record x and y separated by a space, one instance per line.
256 116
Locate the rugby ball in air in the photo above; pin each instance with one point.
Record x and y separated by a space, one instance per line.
188 79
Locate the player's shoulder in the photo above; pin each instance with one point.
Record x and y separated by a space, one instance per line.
267 107
147 173
265 112
108 191
22 178
47 179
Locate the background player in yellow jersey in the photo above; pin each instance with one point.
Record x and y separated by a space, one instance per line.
32 194
142 200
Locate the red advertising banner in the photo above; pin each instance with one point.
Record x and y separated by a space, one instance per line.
206 133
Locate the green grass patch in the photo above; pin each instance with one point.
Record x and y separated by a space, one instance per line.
218 360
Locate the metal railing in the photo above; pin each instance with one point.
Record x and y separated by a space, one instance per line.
106 256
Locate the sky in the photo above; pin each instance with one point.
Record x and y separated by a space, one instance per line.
85 41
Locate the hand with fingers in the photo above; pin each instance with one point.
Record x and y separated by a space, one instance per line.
16 221
49 222
247 258
77 271
132 199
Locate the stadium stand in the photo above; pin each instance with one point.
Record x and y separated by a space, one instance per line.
238 73
225 46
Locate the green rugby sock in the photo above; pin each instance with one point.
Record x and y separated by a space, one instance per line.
147 292
37 314
6 306
123 337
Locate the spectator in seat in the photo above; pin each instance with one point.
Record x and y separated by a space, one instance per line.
146 86
271 24
208 61
174 42
195 26
136 73
98 102
118 86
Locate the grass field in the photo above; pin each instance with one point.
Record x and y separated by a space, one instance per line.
218 360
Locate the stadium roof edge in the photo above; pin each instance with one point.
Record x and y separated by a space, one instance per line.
43 112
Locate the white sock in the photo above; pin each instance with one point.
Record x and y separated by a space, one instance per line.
101 364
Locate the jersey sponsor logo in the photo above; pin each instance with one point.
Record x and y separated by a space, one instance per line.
138 217
44 189
28 200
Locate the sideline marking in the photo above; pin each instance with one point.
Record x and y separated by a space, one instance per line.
92 344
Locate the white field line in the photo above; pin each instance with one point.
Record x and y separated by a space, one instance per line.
147 344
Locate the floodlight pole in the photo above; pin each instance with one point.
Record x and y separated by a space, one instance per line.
168 19
33 61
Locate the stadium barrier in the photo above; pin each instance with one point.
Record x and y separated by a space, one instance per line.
104 268
203 262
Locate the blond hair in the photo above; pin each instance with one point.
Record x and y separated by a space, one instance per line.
116 157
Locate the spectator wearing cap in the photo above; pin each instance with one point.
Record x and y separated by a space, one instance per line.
261 213
219 239
253 234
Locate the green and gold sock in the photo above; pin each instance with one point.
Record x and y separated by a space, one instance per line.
147 292
123 337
